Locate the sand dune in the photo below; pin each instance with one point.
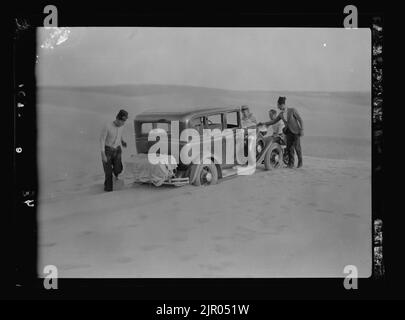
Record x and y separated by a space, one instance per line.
283 223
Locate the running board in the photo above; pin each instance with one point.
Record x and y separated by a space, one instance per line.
238 170
229 172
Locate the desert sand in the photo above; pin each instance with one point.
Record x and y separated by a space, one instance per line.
307 222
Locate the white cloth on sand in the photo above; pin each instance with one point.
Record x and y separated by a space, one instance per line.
152 169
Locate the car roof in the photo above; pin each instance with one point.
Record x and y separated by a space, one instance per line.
181 115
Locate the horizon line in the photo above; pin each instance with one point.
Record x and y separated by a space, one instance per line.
194 86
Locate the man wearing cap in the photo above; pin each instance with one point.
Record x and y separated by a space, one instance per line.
248 119
294 130
110 144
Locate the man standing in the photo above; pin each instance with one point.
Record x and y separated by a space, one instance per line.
110 143
294 130
278 127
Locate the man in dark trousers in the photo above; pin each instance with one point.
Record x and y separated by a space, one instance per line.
110 143
294 130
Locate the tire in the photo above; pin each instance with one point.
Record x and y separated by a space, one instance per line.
259 148
207 174
286 157
273 158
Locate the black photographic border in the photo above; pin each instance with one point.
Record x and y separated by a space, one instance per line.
28 285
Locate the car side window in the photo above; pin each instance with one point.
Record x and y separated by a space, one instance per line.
214 121
162 125
232 120
146 127
197 124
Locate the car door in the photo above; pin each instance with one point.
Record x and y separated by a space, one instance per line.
215 121
198 123
233 122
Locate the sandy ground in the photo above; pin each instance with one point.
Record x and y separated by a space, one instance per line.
307 222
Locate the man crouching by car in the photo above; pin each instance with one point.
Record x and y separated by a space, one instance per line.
110 143
294 130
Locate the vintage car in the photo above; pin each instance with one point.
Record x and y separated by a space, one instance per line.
213 167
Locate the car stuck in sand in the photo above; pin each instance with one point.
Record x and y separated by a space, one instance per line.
199 147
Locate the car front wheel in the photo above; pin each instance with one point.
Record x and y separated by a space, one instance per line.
274 157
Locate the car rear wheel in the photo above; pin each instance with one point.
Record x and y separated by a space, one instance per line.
274 157
206 174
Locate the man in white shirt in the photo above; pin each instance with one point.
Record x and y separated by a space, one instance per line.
277 128
110 145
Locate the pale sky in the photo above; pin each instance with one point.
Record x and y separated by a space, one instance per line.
273 59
